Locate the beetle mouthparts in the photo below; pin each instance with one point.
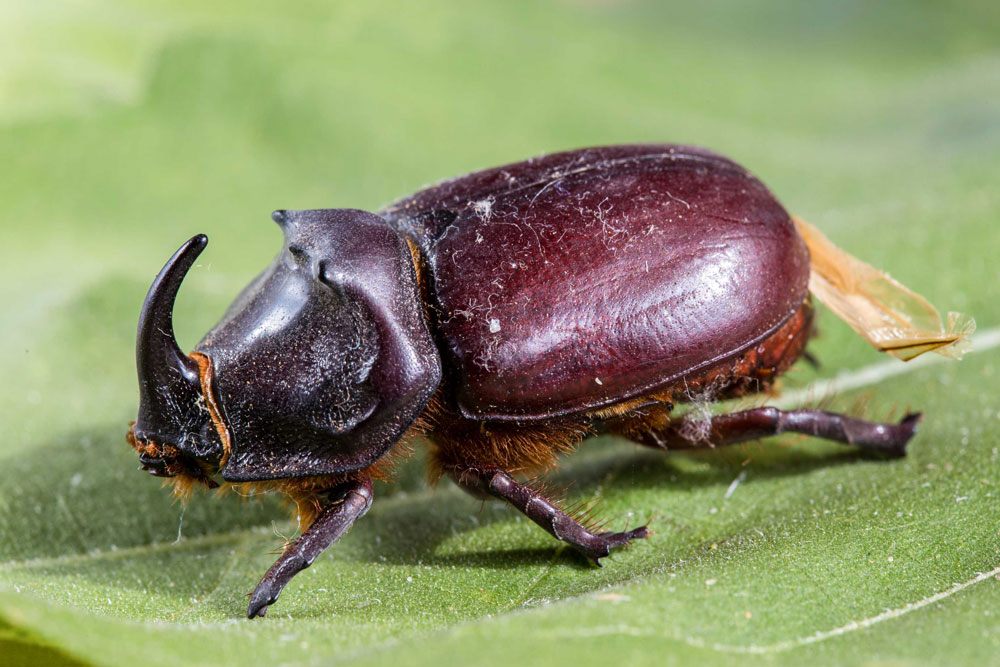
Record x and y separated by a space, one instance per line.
157 467
168 462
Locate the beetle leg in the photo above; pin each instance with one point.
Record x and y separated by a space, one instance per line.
739 427
349 502
544 512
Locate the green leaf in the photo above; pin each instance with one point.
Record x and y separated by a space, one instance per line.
128 126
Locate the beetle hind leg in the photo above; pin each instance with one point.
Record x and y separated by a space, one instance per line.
737 427
486 483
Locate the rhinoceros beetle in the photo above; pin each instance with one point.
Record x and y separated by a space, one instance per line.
504 315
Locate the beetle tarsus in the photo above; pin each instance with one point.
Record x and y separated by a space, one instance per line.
533 504
349 502
737 427
904 431
605 542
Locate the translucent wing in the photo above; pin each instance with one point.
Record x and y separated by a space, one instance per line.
889 316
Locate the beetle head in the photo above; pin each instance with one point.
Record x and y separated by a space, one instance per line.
319 366
174 432
324 361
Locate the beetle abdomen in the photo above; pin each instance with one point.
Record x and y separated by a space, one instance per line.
581 279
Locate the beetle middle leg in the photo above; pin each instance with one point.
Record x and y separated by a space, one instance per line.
478 456
348 502
546 513
737 427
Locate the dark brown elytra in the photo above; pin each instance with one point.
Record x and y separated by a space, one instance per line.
504 315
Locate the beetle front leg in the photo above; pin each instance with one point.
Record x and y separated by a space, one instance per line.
747 425
349 502
498 484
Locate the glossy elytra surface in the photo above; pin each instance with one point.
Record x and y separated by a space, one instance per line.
583 278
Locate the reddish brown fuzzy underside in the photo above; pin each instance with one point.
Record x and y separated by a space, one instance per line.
308 494
516 448
650 419
626 407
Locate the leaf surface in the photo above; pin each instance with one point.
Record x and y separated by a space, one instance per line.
129 126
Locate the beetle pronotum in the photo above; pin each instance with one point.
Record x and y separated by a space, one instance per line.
505 315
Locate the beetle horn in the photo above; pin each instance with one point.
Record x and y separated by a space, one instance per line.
169 383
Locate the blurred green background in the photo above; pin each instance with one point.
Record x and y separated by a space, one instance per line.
128 126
